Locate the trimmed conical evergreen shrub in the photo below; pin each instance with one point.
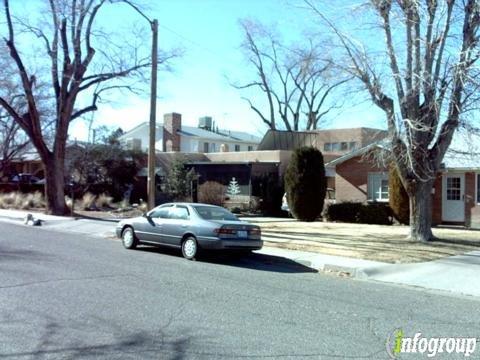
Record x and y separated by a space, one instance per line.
305 183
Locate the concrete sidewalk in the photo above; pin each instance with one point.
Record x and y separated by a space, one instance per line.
98 228
457 274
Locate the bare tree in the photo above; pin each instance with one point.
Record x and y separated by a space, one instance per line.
71 46
432 52
295 81
12 141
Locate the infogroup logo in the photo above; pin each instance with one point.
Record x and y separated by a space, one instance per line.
398 343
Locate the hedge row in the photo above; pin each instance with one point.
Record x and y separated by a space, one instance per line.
356 212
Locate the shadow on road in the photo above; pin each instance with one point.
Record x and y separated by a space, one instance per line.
55 338
254 261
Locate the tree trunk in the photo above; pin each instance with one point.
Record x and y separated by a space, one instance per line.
55 185
421 211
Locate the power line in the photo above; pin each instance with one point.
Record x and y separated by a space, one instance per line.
217 55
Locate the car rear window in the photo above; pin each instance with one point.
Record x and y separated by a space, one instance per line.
215 213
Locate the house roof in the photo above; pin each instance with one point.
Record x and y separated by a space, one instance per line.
165 159
225 135
382 144
191 131
456 160
291 140
288 140
453 160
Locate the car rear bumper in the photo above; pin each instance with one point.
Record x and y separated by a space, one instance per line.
118 232
224 244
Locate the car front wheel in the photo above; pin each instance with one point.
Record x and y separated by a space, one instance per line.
129 239
189 248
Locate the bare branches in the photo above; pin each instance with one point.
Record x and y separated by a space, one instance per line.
427 76
99 78
296 81
71 41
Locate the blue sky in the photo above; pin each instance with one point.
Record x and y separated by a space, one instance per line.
209 33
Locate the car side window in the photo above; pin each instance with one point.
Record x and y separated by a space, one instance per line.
161 213
178 213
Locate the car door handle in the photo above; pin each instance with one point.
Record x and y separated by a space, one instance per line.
184 226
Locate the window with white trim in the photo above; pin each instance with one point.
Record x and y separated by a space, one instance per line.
377 186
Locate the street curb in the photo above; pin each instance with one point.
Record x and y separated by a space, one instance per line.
97 219
352 272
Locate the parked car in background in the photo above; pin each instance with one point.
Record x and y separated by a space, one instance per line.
329 199
25 178
191 227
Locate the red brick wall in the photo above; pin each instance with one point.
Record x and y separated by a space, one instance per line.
172 123
351 179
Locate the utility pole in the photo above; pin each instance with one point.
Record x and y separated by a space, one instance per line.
153 118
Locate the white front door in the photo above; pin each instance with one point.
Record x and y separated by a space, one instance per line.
453 197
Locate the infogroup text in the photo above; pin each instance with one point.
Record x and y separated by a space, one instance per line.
398 344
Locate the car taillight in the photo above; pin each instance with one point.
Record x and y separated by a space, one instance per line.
255 231
225 231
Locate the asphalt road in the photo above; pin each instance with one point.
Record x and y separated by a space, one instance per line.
66 296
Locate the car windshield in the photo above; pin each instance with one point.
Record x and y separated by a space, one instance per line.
214 213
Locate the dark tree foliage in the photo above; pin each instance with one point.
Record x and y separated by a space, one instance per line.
270 189
305 183
179 180
99 165
398 197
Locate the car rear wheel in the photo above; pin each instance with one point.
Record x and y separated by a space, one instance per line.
189 248
129 239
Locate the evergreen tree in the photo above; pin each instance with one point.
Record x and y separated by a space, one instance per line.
305 183
233 188
179 180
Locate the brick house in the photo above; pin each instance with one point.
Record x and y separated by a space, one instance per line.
456 193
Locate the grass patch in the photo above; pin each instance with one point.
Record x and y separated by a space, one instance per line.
370 242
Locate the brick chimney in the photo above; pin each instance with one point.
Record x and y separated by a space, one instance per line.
172 124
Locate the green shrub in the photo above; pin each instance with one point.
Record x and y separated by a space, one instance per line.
345 212
305 183
398 197
375 213
356 212
179 180
269 190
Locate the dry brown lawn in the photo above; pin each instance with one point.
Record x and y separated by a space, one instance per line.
370 242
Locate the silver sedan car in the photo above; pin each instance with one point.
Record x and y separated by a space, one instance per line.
191 227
